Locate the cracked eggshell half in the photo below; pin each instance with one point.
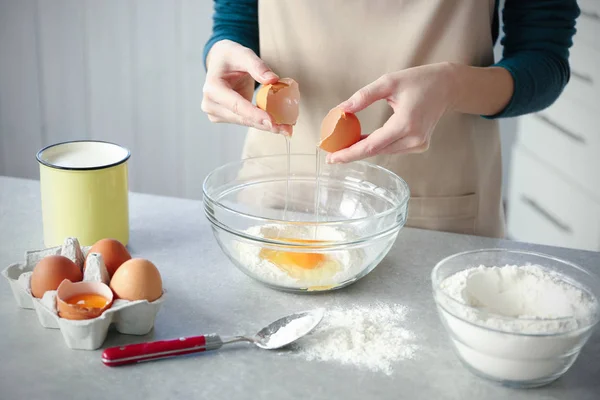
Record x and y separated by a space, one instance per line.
82 300
339 130
281 100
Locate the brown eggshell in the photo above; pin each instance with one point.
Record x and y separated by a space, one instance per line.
281 100
339 130
68 289
137 279
113 253
50 271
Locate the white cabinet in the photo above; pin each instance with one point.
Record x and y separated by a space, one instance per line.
545 208
565 139
554 190
587 23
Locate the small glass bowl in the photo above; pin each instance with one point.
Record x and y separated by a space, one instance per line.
520 360
350 216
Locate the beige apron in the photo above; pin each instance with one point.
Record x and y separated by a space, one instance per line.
334 47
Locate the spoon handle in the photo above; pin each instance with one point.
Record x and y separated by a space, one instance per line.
135 353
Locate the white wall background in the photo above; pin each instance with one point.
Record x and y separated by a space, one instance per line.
128 71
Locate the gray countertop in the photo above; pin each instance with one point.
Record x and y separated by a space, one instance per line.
208 294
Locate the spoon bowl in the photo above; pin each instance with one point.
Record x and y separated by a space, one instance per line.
288 329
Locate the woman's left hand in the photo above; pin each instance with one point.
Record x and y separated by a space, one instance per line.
419 97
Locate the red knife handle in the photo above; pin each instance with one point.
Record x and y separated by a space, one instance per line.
135 353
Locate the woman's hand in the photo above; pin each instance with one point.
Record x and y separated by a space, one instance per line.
232 70
419 97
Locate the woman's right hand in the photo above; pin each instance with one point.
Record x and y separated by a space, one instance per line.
227 93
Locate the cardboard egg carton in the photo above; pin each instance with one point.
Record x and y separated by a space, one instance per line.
128 317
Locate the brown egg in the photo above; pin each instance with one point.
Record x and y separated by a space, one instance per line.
281 100
137 279
113 253
50 271
339 130
82 300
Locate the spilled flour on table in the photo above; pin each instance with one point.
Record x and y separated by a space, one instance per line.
372 337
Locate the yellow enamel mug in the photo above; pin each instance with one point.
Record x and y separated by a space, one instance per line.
84 190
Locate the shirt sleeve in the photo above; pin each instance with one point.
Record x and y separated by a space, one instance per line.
537 38
236 21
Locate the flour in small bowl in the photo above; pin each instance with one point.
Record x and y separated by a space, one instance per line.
536 300
371 337
522 325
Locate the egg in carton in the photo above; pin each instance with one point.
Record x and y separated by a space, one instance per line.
82 328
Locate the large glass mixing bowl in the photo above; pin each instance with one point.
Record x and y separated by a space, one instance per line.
304 233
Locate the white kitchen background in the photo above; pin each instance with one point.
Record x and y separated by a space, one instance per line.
128 71
131 72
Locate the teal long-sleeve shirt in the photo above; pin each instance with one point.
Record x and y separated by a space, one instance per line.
537 37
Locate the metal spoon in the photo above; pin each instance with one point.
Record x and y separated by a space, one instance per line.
275 335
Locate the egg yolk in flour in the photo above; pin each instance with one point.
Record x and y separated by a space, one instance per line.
302 260
301 265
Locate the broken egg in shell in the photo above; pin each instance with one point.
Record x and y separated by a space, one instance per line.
281 100
339 130
82 300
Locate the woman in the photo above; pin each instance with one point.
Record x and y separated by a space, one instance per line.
431 61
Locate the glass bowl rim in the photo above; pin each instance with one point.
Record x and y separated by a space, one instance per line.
208 198
438 292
